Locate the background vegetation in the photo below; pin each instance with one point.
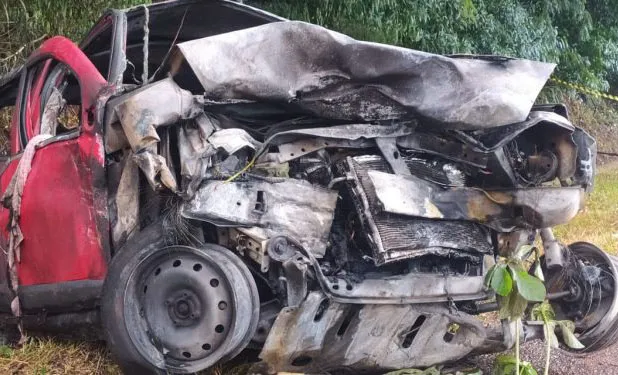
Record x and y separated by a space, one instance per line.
24 24
581 36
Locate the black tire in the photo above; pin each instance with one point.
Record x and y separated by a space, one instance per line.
118 302
601 319
605 334
112 299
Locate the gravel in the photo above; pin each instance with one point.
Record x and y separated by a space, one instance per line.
604 362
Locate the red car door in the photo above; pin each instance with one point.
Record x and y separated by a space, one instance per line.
63 215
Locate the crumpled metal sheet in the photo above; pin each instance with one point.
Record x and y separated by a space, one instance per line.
140 113
126 203
502 210
322 336
334 76
155 169
195 150
296 143
232 140
350 132
290 207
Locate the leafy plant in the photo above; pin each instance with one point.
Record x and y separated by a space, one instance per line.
543 312
6 351
511 365
515 288
24 24
514 285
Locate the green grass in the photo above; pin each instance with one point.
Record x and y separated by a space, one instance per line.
43 356
47 356
598 223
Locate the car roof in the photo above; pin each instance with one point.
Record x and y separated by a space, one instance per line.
168 22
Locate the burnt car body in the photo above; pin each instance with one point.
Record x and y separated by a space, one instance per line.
253 182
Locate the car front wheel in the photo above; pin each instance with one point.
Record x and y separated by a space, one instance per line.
168 308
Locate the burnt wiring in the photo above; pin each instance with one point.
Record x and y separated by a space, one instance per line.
614 154
167 54
146 44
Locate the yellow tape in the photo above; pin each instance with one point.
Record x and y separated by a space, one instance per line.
584 89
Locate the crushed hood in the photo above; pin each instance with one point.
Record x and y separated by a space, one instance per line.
330 75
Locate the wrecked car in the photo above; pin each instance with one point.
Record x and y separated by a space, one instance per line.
200 188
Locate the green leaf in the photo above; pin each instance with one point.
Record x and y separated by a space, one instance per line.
543 312
525 368
567 328
501 281
531 288
489 276
506 359
524 252
512 306
504 365
550 335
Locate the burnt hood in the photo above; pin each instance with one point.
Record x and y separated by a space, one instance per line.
330 75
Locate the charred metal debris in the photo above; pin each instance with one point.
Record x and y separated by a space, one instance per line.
362 183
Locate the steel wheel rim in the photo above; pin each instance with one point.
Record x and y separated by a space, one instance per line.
610 321
184 308
596 335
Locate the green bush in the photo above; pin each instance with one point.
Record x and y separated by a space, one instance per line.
24 24
581 36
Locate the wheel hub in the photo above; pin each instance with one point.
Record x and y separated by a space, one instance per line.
591 277
184 307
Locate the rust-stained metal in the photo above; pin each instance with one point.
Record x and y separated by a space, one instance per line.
321 335
502 210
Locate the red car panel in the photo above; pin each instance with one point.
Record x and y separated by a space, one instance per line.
63 214
67 249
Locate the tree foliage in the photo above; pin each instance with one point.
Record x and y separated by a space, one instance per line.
24 24
581 36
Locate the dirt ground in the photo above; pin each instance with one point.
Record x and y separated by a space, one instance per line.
604 362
